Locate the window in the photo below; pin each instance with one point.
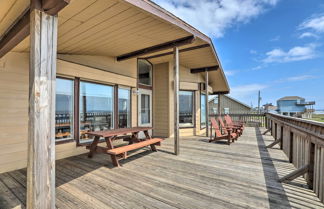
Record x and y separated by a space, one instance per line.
144 72
226 110
186 108
96 108
145 109
64 109
124 105
203 110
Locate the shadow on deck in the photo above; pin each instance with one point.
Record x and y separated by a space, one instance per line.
205 175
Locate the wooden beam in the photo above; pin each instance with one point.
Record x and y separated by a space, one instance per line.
206 100
277 141
41 127
204 69
295 174
181 50
221 92
156 48
268 130
52 7
20 29
17 33
176 66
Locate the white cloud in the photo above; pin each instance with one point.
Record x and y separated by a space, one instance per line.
259 67
295 78
294 54
229 72
213 17
300 78
315 23
308 35
252 51
243 91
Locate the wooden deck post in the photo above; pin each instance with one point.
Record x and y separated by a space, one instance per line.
219 111
176 99
41 128
207 105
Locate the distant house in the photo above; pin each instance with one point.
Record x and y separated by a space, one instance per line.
294 106
228 105
269 107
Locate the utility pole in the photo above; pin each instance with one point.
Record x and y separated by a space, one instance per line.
259 101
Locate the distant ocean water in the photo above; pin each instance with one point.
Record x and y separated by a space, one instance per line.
319 112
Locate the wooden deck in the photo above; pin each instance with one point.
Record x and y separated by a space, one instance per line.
242 175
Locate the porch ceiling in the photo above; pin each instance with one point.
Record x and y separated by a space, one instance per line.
115 27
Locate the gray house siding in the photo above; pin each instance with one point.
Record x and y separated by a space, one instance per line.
228 105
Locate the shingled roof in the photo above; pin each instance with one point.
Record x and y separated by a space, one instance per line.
291 98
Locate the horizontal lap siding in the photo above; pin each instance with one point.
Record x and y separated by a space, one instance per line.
161 99
14 111
14 77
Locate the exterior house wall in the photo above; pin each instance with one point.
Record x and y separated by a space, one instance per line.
227 102
290 106
14 78
188 81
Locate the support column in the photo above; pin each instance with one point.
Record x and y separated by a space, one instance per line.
176 99
41 127
219 111
207 105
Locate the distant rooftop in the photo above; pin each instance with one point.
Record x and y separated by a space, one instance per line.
291 98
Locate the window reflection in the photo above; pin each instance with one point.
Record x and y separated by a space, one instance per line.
64 109
145 72
203 110
96 108
186 111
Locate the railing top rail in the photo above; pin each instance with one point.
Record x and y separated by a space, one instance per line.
241 114
316 123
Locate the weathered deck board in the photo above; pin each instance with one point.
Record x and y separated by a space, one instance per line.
205 175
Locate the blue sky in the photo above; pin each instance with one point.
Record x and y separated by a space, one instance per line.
276 46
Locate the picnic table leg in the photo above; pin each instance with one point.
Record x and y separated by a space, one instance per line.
153 148
109 142
93 146
110 145
134 138
147 135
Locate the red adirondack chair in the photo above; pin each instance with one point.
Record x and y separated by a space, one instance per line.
231 127
236 124
227 133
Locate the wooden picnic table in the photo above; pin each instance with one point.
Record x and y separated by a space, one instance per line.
111 135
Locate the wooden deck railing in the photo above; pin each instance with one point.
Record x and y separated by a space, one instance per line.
250 119
303 142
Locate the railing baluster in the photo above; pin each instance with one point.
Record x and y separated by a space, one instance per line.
303 141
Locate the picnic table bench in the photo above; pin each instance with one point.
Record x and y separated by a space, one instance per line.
121 152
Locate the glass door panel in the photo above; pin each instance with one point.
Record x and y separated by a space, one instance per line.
145 107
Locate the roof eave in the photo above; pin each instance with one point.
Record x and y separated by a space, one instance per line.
160 12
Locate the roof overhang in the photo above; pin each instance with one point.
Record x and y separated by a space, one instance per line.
115 27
